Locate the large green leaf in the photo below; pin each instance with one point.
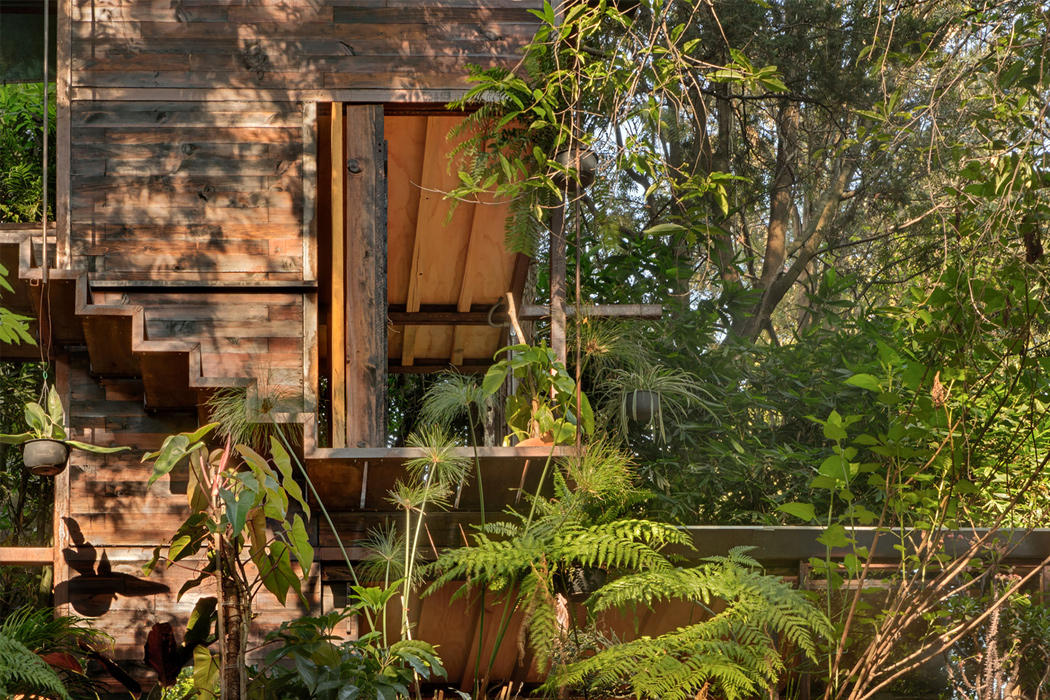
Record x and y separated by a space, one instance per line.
802 511
299 540
171 452
205 673
97 449
198 628
237 507
36 419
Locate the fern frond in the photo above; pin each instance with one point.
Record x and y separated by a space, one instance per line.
22 671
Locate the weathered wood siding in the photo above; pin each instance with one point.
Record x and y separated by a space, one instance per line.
187 190
245 334
292 44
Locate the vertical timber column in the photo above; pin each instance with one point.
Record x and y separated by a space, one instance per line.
60 532
366 297
62 135
557 252
337 314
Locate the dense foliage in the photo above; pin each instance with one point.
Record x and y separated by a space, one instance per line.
22 151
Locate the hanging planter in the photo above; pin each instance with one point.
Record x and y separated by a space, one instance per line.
45 446
642 405
45 457
576 171
578 582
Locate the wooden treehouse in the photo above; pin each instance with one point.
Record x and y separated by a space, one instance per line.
249 195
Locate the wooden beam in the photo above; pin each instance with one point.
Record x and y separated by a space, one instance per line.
62 133
466 287
337 313
366 296
27 556
651 312
427 365
557 282
441 315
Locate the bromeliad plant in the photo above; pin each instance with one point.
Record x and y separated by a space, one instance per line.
239 500
543 406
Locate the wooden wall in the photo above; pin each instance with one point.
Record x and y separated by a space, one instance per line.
187 190
292 44
109 522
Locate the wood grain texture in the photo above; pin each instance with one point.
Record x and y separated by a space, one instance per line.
337 302
365 280
293 44
191 183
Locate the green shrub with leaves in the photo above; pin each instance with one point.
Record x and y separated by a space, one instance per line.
233 494
311 662
732 654
21 151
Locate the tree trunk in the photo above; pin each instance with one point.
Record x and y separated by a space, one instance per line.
780 214
235 629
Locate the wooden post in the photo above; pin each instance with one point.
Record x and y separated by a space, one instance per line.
337 317
557 253
60 532
366 297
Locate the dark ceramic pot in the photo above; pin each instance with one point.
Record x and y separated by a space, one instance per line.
45 457
578 583
588 164
641 405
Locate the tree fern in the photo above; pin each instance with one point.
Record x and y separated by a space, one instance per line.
734 653
22 671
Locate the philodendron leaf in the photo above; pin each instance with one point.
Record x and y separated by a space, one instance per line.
162 654
237 507
96 448
284 463
205 673
300 543
198 628
174 449
16 439
278 576
36 419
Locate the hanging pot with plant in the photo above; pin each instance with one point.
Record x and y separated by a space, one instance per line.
645 396
641 405
578 582
45 447
543 407
575 170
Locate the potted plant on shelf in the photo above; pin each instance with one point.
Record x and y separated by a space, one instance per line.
45 447
542 409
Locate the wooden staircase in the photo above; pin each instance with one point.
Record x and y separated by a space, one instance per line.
114 334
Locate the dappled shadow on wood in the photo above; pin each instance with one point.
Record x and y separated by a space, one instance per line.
96 586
